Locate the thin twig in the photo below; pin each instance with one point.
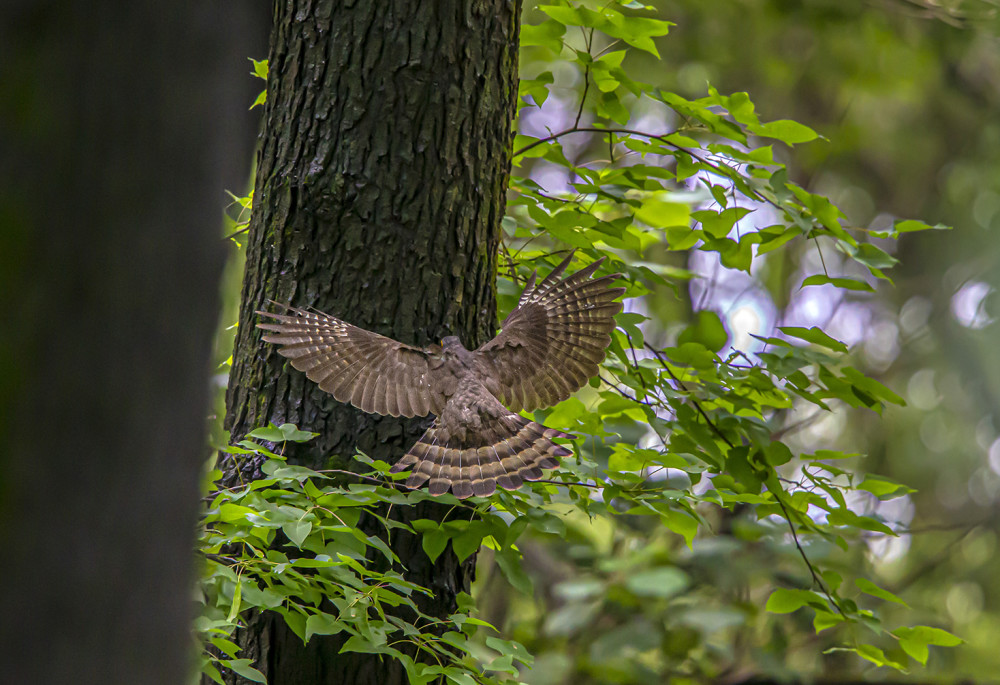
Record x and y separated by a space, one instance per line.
662 137
236 233
812 570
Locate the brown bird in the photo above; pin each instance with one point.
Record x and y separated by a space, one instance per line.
550 345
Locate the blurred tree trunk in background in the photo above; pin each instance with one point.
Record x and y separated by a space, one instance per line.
380 189
121 125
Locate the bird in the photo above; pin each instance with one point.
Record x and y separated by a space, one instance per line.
547 348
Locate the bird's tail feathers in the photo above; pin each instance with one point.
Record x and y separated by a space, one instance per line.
518 450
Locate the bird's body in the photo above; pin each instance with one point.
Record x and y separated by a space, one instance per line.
547 348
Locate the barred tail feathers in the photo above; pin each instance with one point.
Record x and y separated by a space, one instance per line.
517 450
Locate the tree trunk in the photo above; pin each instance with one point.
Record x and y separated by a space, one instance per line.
122 124
379 195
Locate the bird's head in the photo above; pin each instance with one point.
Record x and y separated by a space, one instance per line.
451 343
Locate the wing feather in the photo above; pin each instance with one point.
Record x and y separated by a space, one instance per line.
554 340
372 372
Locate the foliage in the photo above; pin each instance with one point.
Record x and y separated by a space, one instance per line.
290 543
691 535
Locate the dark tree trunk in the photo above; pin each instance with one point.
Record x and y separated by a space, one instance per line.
121 125
379 195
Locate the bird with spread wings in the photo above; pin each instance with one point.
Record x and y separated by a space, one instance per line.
549 346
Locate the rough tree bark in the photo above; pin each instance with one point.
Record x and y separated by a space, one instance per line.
380 190
121 126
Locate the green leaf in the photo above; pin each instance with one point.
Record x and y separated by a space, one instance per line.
363 645
681 237
814 335
910 225
826 619
227 647
510 565
243 668
681 523
433 542
322 624
739 467
665 581
693 354
883 488
212 672
872 386
915 640
282 433
297 531
777 453
259 68
845 283
846 517
548 34
637 31
707 330
571 16
785 130
929 635
469 541
459 677
234 608
658 211
876 656
537 88
515 649
870 588
786 600
774 237
720 224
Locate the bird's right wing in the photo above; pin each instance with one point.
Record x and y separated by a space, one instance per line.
372 372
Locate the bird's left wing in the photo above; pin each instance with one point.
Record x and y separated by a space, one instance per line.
553 341
372 372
